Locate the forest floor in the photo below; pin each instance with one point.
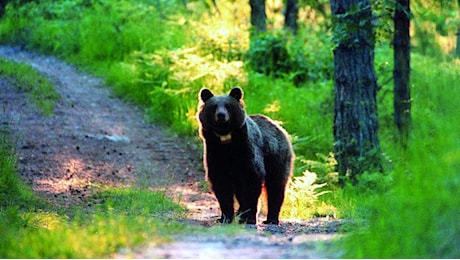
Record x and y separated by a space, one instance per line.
94 140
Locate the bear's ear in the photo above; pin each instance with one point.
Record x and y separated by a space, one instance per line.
236 93
205 94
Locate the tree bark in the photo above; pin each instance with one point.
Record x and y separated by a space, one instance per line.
457 50
401 72
258 16
290 15
356 143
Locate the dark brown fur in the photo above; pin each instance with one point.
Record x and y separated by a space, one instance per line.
241 155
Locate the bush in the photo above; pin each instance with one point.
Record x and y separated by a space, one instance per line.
269 55
302 196
282 56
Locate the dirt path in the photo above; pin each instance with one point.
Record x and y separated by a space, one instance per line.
94 140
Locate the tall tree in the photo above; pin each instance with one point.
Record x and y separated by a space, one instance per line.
401 72
457 50
290 15
356 143
258 15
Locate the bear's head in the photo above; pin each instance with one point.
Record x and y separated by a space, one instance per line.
222 114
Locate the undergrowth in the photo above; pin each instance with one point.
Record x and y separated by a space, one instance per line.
417 217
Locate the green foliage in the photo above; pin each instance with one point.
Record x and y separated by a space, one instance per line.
383 11
435 24
369 183
305 112
41 91
89 31
302 198
417 217
323 165
268 54
280 55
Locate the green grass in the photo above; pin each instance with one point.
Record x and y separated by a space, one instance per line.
33 228
46 233
13 193
162 53
40 90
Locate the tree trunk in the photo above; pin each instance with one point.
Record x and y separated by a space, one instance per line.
457 50
290 16
356 143
401 73
258 16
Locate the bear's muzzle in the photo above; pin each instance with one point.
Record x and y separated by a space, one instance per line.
221 115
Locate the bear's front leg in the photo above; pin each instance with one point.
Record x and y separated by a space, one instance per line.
225 199
247 195
224 193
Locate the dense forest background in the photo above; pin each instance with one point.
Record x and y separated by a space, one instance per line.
160 53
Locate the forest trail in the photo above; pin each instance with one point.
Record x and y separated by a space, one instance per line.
94 139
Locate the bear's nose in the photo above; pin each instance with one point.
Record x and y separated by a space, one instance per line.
221 116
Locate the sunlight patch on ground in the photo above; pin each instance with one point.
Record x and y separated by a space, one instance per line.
201 206
77 175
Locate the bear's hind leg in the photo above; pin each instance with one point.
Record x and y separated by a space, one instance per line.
247 214
275 198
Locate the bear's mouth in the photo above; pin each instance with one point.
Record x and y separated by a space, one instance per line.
222 128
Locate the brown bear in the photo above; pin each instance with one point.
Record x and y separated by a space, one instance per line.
243 154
